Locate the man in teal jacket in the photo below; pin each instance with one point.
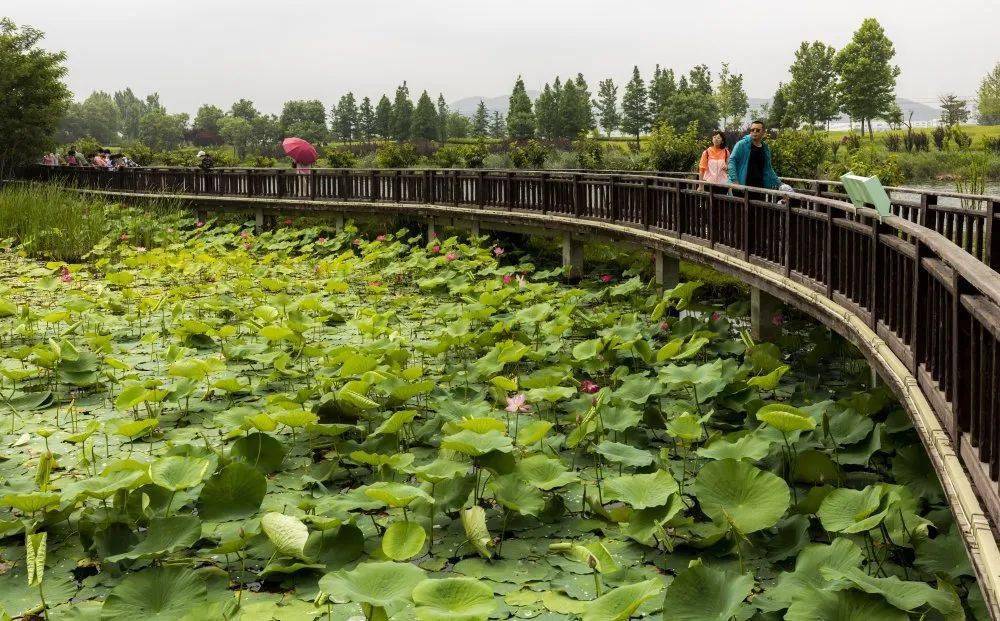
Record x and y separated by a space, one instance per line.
750 161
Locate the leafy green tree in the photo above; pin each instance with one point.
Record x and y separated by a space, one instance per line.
207 119
244 109
366 119
383 118
481 121
305 119
700 79
130 110
662 88
236 131
520 117
607 105
498 126
425 121
34 95
95 116
442 118
265 134
459 126
635 111
867 83
812 91
691 106
344 118
954 111
570 111
989 98
402 113
730 98
779 115
583 107
162 131
547 112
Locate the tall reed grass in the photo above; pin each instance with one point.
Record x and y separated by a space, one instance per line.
51 222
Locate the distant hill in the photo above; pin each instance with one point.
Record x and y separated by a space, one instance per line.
468 105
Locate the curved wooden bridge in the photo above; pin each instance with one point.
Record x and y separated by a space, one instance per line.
918 292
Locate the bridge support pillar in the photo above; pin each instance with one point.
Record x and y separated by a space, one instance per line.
474 228
572 255
763 308
258 221
431 231
667 270
338 222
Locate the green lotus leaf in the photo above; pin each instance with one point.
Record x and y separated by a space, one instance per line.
30 502
396 494
903 594
134 429
593 554
375 583
295 418
624 454
395 422
587 349
770 380
842 554
638 389
749 446
165 536
478 424
159 594
642 490
785 418
441 470
686 427
545 473
453 599
944 555
518 495
816 605
260 451
619 604
476 444
691 374
852 511
703 593
106 485
7 308
234 492
176 473
533 432
276 332
476 531
286 532
741 495
403 540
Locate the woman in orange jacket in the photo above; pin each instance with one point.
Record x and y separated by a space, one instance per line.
714 165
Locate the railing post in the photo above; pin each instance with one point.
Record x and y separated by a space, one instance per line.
927 201
991 236
249 181
961 360
427 185
279 179
510 191
919 328
614 210
874 272
312 184
397 187
456 188
545 193
481 189
373 190
577 198
746 225
789 238
712 237
830 259
647 203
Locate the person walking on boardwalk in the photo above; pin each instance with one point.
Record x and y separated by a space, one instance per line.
206 163
750 161
715 160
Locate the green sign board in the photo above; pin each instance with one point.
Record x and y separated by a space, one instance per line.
867 191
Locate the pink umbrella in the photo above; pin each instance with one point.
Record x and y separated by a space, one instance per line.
299 150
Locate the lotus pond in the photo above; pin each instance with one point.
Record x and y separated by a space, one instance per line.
309 425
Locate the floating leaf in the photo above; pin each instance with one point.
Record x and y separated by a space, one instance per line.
403 540
453 599
165 535
619 604
703 593
234 492
286 532
641 490
474 524
376 583
785 418
176 473
741 495
159 594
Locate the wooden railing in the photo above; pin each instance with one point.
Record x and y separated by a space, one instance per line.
934 300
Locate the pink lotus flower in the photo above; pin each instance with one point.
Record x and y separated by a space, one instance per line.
320 240
517 403
124 236
607 278
247 246
778 320
498 251
199 224
715 316
357 241
451 256
436 249
244 234
375 283
664 326
507 279
288 220
140 249
380 238
589 387
64 274
434 235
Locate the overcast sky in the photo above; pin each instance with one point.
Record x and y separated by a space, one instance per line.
216 51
